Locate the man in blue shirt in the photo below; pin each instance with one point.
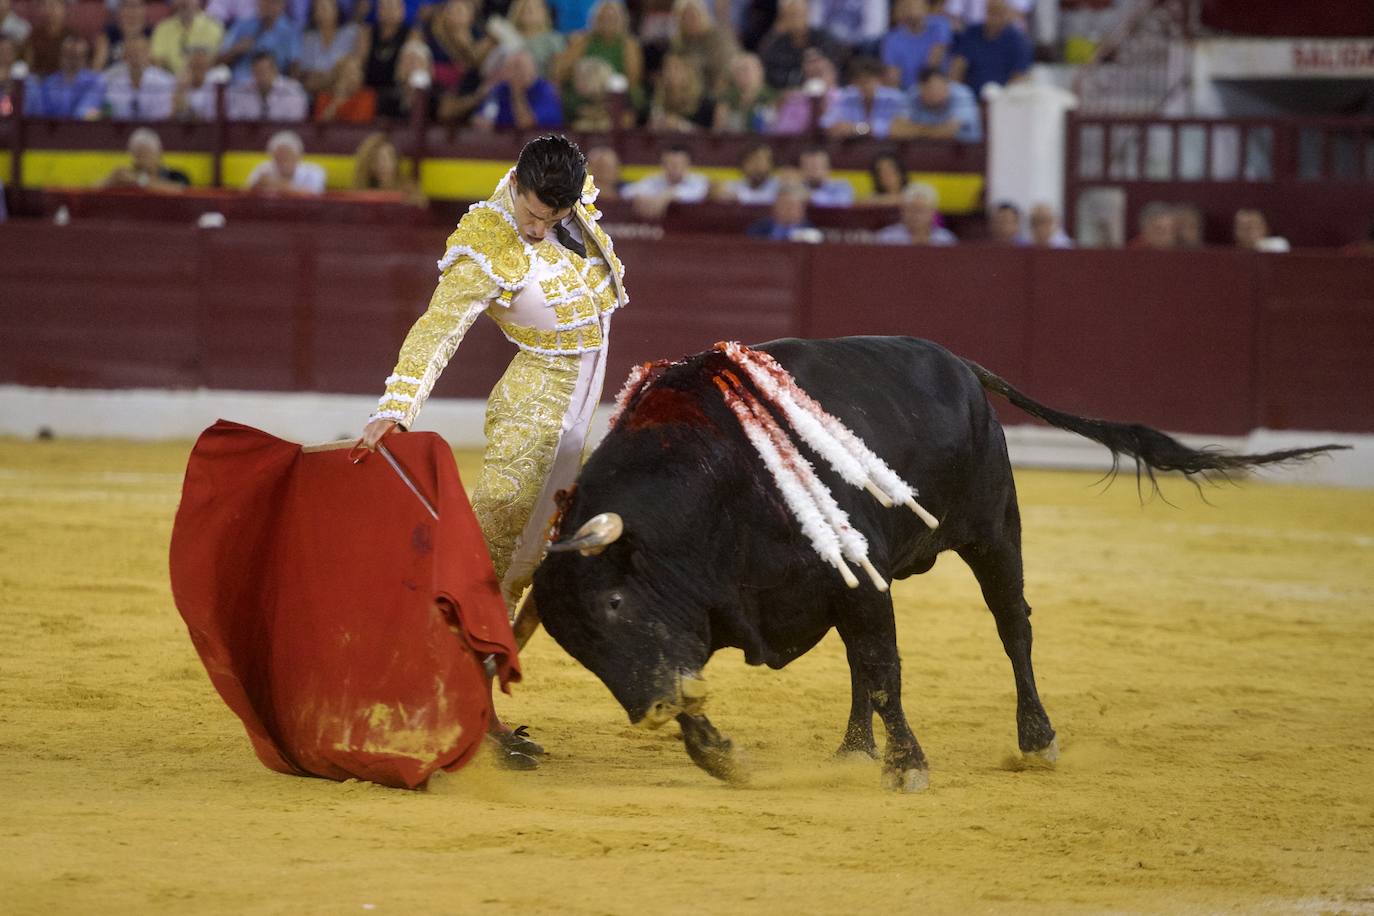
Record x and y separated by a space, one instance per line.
269 31
940 110
917 40
995 52
825 191
522 99
571 15
72 92
866 107
789 216
857 24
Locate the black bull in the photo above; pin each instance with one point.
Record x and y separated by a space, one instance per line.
710 558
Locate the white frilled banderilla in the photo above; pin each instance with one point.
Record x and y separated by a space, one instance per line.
822 520
825 524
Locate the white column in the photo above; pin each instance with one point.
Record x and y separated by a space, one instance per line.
1044 24
1204 99
1026 144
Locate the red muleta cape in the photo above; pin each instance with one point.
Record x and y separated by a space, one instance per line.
339 620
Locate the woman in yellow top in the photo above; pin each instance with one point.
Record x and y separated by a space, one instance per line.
533 258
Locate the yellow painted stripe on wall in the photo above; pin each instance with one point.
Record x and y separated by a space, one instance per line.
443 179
5 167
474 179
87 168
461 179
960 192
69 168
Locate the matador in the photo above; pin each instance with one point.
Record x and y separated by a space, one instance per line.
533 259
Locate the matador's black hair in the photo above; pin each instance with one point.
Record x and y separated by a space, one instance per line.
553 168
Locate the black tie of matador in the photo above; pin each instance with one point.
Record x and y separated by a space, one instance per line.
565 238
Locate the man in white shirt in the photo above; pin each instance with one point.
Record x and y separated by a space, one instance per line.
227 11
195 95
972 12
12 24
1251 232
1044 228
675 184
918 225
284 172
759 185
854 23
269 96
135 90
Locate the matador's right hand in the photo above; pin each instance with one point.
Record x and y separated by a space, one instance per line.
374 431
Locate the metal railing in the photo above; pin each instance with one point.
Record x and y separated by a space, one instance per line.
1314 176
1142 67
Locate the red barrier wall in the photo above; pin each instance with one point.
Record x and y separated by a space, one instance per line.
1214 341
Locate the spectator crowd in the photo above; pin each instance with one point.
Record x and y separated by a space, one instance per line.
897 69
796 191
912 68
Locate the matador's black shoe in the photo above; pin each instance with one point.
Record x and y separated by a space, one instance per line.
520 741
514 750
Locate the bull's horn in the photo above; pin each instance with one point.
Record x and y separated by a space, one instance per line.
693 687
594 536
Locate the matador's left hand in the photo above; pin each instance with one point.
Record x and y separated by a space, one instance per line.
374 431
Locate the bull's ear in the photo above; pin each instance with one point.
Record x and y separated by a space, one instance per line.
595 535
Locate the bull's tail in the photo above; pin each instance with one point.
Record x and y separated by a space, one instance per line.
1151 449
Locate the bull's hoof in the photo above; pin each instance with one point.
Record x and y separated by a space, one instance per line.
711 750
1045 756
722 763
915 779
848 751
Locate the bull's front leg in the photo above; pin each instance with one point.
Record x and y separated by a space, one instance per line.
858 733
711 750
904 763
870 634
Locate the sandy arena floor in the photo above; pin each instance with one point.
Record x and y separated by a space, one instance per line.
1208 668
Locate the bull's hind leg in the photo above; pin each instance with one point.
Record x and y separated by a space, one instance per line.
858 734
997 566
870 637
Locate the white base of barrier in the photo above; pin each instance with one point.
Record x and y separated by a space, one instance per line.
157 414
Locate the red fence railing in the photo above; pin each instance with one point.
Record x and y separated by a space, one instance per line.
1215 341
1314 177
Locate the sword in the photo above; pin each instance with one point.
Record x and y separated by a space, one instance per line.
489 665
357 453
405 479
